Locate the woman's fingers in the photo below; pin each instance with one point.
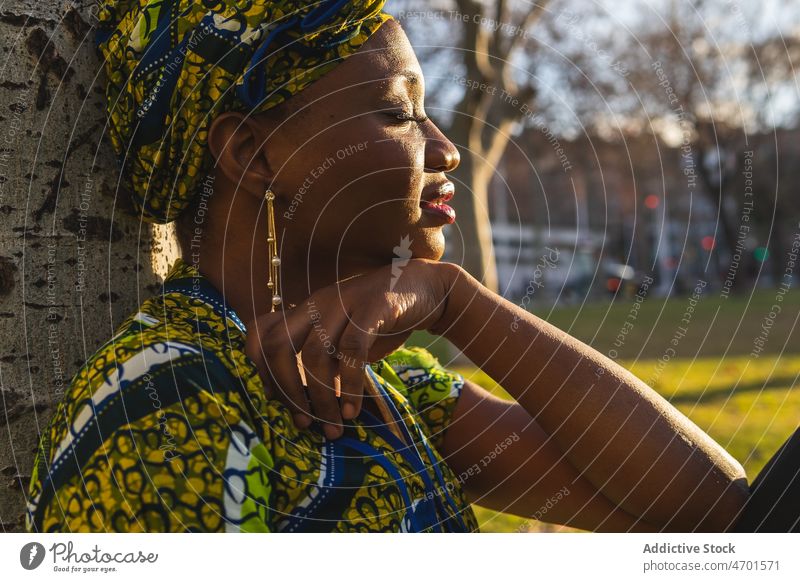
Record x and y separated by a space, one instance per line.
290 387
256 351
271 345
354 346
336 332
321 368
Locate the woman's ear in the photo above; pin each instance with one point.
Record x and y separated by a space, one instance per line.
236 140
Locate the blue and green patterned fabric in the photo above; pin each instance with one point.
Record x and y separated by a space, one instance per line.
172 66
166 429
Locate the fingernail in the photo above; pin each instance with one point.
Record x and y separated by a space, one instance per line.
331 431
301 420
348 410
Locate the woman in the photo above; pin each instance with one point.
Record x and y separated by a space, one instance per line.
190 419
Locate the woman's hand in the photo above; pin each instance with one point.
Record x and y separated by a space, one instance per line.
337 331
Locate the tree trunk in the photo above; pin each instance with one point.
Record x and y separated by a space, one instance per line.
469 241
717 194
73 261
491 106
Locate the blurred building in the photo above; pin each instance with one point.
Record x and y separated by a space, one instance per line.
615 210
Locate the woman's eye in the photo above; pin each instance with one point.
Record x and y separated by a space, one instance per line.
404 117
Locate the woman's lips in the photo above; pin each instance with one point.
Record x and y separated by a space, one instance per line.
440 210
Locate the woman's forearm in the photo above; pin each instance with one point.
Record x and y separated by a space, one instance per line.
632 444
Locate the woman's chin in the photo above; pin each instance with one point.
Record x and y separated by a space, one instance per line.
431 245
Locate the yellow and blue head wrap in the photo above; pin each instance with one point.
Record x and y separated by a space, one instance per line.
173 65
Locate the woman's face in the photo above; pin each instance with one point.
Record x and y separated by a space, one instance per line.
357 167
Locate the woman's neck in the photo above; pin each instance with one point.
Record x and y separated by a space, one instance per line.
233 255
240 271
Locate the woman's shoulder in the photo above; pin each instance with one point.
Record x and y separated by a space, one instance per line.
143 397
143 346
156 354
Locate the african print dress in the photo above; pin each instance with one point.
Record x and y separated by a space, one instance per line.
166 428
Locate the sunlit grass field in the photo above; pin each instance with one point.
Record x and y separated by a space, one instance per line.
748 405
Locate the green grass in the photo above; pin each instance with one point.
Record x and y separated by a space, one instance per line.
716 327
748 405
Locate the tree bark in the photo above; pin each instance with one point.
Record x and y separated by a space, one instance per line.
470 242
74 262
481 129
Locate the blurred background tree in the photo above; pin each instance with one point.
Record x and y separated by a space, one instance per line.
476 51
652 108
659 140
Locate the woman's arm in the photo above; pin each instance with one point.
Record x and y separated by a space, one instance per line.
506 462
629 442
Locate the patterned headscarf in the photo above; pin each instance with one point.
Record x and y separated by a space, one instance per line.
172 66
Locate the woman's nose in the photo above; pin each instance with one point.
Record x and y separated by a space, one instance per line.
441 155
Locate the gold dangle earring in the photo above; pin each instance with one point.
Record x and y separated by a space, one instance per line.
274 286
272 247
